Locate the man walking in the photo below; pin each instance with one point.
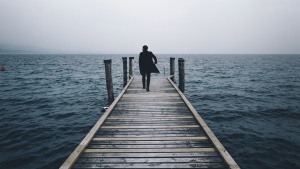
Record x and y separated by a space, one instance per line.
147 66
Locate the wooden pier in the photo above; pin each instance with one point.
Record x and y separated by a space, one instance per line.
156 129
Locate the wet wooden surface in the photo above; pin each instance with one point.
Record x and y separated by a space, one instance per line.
150 130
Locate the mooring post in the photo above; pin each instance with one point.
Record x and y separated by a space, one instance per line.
124 71
181 74
131 66
109 83
172 68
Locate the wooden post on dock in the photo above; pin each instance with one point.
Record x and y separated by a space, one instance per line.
172 68
181 74
131 66
124 71
109 83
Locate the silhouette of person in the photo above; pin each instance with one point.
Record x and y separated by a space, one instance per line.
147 66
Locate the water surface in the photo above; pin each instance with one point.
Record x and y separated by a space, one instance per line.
49 103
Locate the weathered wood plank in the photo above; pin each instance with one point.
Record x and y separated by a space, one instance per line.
148 135
145 95
154 112
150 123
93 146
147 119
153 165
153 89
107 132
181 130
134 127
150 155
150 160
147 115
149 138
178 142
152 150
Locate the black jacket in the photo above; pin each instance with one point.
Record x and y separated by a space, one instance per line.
146 63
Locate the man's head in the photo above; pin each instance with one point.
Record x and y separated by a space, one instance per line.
145 48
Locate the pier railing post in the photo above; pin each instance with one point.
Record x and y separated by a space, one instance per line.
131 66
181 74
172 68
124 71
109 83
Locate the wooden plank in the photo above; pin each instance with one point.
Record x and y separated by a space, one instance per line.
150 155
134 127
150 103
154 89
153 130
152 109
147 115
109 132
79 149
105 146
152 165
154 123
151 95
149 138
150 160
149 135
161 142
146 119
153 150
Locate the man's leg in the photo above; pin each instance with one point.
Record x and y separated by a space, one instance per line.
148 81
143 79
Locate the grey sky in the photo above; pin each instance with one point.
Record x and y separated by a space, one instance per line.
166 26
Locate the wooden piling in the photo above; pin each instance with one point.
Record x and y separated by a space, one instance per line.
131 66
172 68
124 71
109 83
181 74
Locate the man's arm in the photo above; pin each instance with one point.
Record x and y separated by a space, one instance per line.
154 57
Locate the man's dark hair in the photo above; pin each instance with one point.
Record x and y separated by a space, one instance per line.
145 47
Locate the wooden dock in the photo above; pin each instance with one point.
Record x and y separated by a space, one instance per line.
156 129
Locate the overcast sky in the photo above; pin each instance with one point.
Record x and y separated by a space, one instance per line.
166 26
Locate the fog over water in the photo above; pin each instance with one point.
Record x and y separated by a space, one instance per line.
168 26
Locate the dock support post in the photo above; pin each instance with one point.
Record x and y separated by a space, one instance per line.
109 83
131 66
172 68
124 71
181 74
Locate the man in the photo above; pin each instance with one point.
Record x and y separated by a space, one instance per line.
147 66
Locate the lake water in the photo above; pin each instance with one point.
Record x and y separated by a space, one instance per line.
48 103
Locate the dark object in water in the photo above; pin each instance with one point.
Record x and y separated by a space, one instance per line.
104 109
2 68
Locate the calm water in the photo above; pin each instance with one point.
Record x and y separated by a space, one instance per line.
48 103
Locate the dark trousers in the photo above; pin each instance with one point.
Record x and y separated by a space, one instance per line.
148 79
